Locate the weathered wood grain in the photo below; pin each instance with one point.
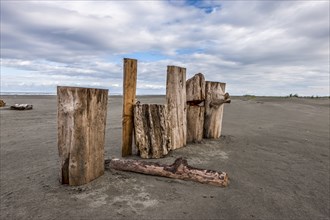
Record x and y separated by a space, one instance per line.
214 91
195 90
82 116
176 107
150 130
178 170
129 95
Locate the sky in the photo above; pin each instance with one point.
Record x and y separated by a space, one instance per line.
272 48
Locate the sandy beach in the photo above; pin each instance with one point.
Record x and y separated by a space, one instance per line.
275 151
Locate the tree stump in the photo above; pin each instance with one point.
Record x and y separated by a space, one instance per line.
214 99
195 89
129 93
81 129
176 107
150 130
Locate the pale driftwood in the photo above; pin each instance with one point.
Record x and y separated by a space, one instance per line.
21 107
2 103
195 89
178 170
218 102
150 130
129 93
195 123
81 130
215 92
176 107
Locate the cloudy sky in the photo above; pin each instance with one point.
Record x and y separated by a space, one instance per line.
256 47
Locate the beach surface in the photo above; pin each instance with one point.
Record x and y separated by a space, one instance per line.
275 151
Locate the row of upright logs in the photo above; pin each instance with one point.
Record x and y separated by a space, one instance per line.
193 111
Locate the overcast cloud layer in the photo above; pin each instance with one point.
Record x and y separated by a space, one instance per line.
256 47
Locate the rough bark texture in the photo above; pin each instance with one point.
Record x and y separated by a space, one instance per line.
215 92
178 170
176 107
195 89
129 95
81 129
195 123
150 130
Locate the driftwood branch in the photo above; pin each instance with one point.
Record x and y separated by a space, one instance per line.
178 170
217 102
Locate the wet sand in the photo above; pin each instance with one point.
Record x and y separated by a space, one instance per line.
275 150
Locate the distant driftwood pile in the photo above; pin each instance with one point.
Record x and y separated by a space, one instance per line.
193 111
21 107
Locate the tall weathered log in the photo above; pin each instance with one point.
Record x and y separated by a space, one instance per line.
215 92
81 129
195 89
178 170
129 93
150 130
176 106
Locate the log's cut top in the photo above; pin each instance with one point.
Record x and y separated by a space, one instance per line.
195 88
74 87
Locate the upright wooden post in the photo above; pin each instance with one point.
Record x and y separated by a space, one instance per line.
150 130
215 97
176 106
81 119
129 93
195 88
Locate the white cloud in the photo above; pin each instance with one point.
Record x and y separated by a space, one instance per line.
265 48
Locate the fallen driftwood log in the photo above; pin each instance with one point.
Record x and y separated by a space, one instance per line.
178 170
21 107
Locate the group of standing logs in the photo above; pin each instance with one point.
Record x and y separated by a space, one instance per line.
193 110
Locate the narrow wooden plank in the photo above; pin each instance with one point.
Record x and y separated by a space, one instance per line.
82 116
129 96
176 106
214 92
150 130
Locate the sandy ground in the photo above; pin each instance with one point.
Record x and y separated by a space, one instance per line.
275 150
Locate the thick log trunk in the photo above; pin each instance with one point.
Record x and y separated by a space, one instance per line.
129 93
176 107
178 170
195 90
215 92
81 129
150 130
195 123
